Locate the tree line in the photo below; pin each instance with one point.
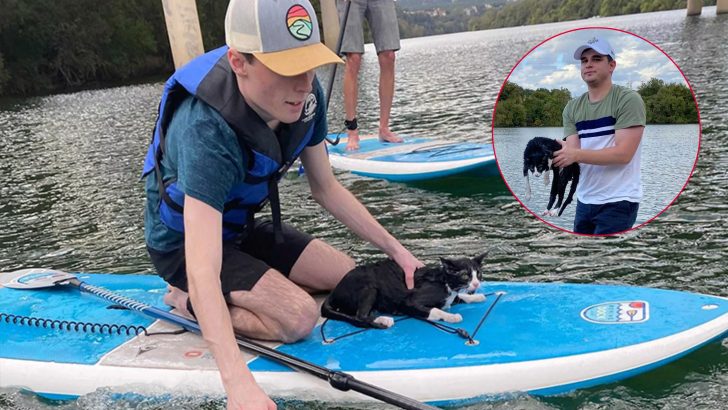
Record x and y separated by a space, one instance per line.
524 12
665 103
50 46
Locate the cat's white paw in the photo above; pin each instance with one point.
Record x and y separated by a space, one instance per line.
437 314
548 213
474 298
453 318
384 321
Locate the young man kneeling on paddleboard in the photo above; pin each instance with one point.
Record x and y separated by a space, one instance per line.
230 123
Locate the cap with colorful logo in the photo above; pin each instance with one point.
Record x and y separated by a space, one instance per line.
597 44
281 34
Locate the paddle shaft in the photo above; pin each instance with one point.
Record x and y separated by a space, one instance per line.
332 77
339 380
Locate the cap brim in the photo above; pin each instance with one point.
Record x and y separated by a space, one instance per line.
582 49
577 53
295 61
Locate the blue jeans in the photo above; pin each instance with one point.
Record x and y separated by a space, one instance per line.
602 219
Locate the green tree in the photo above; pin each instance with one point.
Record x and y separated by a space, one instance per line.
510 111
519 107
57 45
668 103
650 88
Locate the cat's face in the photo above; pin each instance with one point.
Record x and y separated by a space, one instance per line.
463 273
538 161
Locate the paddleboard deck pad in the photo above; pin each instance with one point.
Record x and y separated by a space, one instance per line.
527 337
416 159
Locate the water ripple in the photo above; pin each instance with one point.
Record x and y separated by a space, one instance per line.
70 196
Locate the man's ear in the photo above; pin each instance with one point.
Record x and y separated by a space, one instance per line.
237 62
612 66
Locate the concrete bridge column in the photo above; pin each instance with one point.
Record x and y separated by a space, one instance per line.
695 7
183 29
721 7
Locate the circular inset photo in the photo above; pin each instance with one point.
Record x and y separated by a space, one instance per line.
596 131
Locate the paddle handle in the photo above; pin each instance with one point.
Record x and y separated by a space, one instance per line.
338 380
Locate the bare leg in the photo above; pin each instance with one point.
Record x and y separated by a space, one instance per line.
386 95
311 272
177 298
351 94
277 308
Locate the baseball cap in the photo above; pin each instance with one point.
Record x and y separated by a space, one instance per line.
597 44
281 34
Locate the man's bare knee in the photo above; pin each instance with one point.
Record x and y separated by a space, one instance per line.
386 58
300 322
353 62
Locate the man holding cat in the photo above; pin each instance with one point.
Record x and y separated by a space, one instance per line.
230 123
603 130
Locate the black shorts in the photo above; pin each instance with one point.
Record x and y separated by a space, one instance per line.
244 261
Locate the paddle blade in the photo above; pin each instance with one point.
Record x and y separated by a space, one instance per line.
37 278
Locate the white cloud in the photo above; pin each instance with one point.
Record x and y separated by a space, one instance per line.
552 64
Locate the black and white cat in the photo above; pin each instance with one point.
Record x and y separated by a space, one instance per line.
380 287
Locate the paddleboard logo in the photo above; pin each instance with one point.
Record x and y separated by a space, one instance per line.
617 312
299 23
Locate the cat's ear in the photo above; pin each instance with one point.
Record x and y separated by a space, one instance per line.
479 259
449 264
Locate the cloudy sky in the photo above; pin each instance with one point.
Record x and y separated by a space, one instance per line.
552 64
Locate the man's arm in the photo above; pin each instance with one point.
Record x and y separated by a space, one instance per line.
626 142
342 204
203 250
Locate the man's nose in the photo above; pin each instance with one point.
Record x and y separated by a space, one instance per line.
303 82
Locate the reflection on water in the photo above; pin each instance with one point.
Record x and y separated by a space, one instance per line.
70 199
668 156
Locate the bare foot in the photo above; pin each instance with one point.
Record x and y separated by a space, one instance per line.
177 298
385 135
352 142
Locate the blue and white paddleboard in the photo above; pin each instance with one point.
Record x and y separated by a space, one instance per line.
536 338
416 159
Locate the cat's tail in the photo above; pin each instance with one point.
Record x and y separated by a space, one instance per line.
330 312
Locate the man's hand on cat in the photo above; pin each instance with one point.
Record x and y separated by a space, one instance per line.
409 264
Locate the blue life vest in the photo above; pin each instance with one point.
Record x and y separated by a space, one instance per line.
267 154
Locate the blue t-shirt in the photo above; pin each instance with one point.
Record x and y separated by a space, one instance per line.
202 154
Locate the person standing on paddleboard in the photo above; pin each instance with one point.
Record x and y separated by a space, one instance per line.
230 124
603 131
382 18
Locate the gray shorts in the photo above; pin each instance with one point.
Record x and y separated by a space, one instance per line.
382 18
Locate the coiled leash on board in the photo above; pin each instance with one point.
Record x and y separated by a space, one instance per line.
85 327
